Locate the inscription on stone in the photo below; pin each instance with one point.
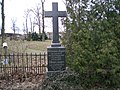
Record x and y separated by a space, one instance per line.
56 59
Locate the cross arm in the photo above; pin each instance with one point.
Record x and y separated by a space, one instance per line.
48 14
62 14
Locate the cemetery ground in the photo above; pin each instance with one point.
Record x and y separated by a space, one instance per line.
20 46
31 81
17 79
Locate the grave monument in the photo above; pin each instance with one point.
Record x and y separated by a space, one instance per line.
56 52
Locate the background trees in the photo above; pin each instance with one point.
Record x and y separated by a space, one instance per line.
14 27
35 16
36 11
92 41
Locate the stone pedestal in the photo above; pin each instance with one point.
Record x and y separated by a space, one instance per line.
54 74
56 58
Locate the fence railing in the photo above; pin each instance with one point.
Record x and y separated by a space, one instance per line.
32 63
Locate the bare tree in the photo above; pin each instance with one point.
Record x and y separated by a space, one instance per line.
31 25
24 31
26 20
34 24
14 28
24 28
3 22
37 13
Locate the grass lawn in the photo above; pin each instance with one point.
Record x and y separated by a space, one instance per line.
27 46
37 46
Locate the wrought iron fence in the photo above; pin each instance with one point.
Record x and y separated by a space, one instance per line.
32 63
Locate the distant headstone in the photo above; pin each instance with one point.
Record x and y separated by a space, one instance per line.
56 52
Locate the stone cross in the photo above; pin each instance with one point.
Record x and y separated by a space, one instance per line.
55 14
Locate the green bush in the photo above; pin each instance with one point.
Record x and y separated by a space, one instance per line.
63 81
92 42
37 37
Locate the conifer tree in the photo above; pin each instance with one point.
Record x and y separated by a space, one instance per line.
92 41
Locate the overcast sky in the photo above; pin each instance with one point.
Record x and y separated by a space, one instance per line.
16 8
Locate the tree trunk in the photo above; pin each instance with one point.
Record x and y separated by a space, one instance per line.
3 24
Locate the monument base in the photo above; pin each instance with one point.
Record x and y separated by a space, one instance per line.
56 58
55 45
54 74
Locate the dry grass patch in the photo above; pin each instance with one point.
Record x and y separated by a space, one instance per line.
38 46
27 46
